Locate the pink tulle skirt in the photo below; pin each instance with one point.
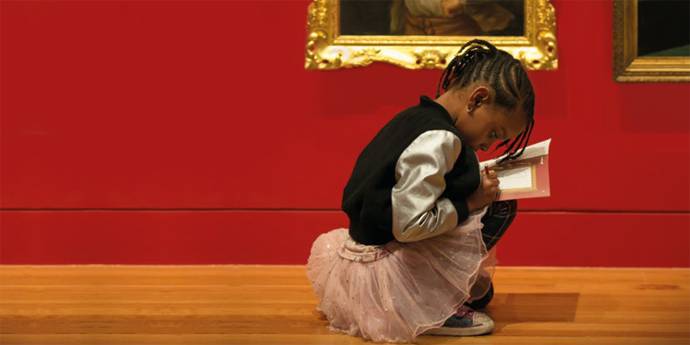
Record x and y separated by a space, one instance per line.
397 291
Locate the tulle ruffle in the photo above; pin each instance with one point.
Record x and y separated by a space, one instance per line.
397 291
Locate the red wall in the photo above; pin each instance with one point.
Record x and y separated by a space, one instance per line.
188 133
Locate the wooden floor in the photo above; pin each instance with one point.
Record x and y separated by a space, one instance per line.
275 305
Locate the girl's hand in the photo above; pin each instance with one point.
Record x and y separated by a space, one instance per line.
486 193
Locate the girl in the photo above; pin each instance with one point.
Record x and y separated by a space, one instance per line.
417 255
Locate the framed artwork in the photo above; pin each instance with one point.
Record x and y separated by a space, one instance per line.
426 33
651 41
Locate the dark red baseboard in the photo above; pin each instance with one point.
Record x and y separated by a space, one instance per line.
284 237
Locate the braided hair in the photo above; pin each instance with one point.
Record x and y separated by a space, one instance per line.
479 60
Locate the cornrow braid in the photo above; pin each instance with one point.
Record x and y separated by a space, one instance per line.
479 60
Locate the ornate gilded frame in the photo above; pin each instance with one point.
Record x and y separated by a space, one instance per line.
627 65
327 49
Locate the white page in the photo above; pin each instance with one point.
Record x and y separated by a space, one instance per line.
535 150
515 178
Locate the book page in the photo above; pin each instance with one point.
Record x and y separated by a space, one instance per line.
517 178
526 176
536 150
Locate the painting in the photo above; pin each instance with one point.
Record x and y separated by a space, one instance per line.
432 17
426 33
651 41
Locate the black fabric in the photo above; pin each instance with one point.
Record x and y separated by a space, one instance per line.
367 195
496 221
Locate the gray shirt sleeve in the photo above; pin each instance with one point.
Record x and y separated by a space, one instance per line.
418 213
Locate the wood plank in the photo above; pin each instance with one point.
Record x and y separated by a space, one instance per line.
261 339
254 304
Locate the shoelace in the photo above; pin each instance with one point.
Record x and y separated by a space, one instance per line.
464 312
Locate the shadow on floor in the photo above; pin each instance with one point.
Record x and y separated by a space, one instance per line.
532 307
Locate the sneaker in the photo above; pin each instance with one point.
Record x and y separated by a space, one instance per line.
465 322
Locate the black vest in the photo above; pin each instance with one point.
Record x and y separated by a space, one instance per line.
367 195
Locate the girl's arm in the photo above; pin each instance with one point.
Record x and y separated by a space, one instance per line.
418 213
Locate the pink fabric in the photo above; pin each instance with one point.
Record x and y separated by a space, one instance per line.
394 292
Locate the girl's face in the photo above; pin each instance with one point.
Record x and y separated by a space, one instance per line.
481 122
491 124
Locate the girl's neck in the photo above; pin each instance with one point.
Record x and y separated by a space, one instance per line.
451 101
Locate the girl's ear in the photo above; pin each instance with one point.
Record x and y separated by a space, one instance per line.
479 96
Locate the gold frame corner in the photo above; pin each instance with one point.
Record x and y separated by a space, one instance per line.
627 65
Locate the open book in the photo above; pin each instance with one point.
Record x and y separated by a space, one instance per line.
525 177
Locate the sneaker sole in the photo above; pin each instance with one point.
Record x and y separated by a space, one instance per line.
460 332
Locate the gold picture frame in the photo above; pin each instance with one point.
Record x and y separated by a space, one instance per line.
628 66
327 49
